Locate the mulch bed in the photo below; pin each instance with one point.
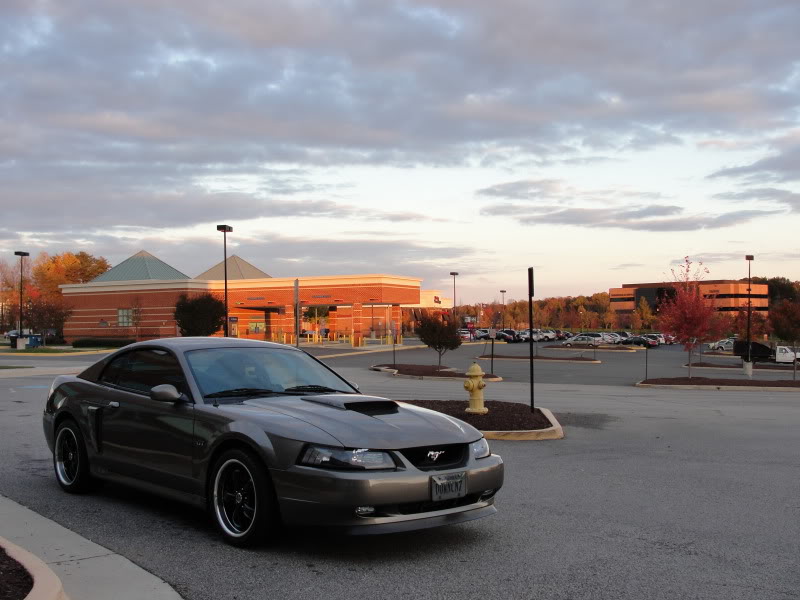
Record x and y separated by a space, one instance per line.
559 358
428 371
714 382
502 416
15 582
763 367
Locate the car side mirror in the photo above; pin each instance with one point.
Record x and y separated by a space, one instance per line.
166 393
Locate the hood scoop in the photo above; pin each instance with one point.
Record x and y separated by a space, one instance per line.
367 405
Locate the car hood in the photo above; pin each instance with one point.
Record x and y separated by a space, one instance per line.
359 421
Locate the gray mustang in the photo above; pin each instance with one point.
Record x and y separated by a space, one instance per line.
263 434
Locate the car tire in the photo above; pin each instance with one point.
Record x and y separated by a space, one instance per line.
242 499
70 460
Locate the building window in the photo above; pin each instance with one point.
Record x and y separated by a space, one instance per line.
125 317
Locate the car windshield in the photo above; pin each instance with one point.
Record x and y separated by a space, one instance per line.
242 372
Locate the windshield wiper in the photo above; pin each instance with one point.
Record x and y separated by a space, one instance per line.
315 388
241 392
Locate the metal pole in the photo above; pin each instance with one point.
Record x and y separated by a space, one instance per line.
491 367
503 326
749 259
19 331
225 268
646 357
530 336
297 313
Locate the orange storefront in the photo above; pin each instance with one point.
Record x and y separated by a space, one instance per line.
725 295
137 299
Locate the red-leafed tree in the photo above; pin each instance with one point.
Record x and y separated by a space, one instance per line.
759 325
688 315
785 321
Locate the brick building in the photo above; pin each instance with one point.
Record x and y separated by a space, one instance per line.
137 298
726 295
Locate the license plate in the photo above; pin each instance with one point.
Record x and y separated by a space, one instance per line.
447 487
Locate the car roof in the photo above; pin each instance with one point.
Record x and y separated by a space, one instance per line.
182 344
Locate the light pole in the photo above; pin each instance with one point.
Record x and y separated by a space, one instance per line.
749 259
225 229
504 309
22 256
454 273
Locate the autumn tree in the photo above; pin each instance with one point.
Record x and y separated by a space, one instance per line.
785 321
645 313
759 325
439 336
688 315
201 315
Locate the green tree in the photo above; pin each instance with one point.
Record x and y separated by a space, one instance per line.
438 335
200 315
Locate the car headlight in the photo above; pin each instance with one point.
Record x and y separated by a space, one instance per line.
480 449
342 458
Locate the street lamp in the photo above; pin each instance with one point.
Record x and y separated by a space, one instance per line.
225 229
22 256
504 309
749 259
454 273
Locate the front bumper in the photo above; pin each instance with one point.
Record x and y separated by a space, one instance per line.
401 498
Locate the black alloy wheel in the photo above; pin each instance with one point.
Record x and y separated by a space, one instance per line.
70 460
242 499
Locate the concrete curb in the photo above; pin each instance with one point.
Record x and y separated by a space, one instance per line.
386 348
46 584
394 373
56 354
722 388
755 370
550 360
556 432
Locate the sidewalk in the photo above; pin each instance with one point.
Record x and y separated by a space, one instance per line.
87 571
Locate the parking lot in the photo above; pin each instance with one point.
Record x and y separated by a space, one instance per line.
652 494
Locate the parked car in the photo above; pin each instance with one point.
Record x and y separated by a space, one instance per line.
562 335
481 334
509 335
653 336
597 336
582 340
640 340
465 334
722 345
261 433
548 335
611 338
624 334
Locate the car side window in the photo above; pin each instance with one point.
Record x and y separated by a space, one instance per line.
146 369
111 372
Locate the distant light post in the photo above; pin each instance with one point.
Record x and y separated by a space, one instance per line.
749 259
504 310
22 256
225 229
454 273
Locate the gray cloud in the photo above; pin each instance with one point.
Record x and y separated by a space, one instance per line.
657 218
626 266
783 164
783 197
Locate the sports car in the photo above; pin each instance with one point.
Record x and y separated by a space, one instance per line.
264 435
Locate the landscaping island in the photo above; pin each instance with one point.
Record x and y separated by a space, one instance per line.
502 416
715 382
15 582
429 371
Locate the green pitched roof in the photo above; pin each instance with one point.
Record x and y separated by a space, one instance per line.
140 266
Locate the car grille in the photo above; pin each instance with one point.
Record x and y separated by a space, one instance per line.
412 508
447 457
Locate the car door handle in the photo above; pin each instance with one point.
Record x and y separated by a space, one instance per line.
113 404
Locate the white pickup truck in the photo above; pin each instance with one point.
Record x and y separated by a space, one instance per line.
784 354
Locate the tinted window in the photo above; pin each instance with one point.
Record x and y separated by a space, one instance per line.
146 369
112 371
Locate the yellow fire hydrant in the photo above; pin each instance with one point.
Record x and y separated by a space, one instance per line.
474 385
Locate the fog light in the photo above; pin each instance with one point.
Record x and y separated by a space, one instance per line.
487 494
364 511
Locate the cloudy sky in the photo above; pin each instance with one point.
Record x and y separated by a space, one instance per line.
599 142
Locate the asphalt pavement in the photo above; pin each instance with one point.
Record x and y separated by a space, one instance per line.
653 494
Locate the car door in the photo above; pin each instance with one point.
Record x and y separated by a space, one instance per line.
144 438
